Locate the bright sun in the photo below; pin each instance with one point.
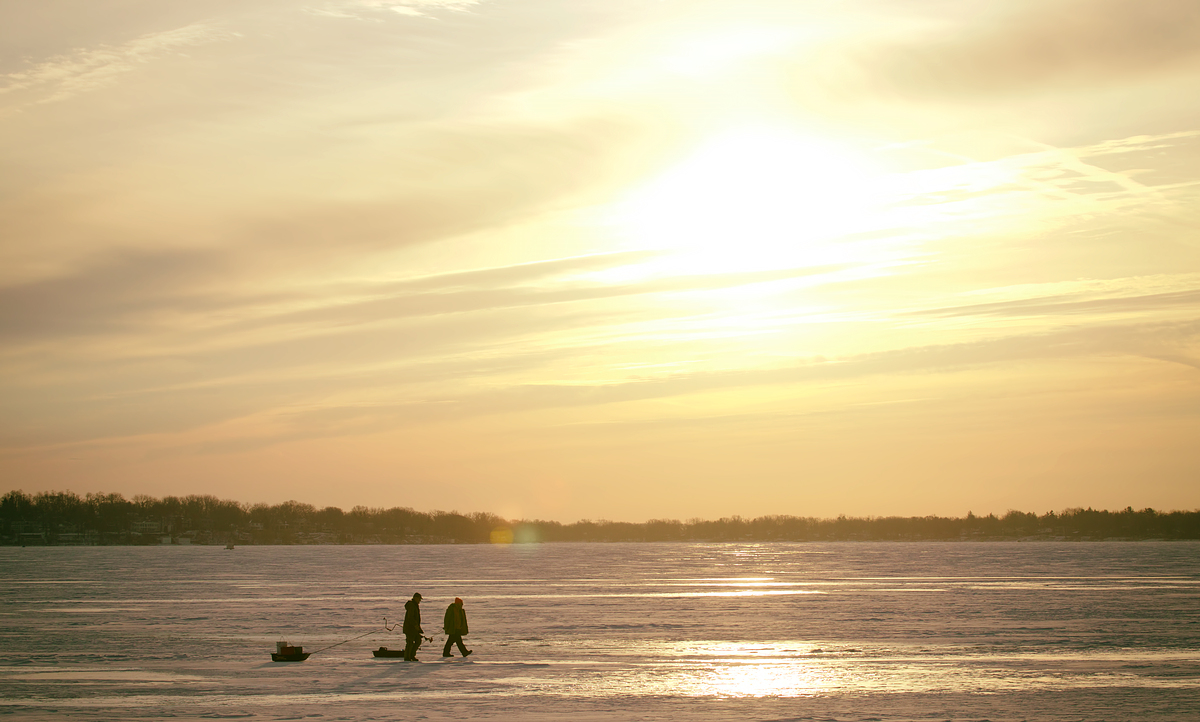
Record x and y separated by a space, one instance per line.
750 199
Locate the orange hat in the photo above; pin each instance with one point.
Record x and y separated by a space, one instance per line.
457 600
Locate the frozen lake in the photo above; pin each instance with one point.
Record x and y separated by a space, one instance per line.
867 631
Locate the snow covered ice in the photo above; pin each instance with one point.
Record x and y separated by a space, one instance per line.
851 631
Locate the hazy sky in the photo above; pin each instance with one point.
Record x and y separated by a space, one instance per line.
604 258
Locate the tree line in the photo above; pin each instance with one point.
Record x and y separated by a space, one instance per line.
67 518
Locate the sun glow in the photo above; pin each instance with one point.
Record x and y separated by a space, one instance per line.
759 670
754 198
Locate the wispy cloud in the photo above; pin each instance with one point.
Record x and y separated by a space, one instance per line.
364 9
1058 306
88 69
1171 343
1041 44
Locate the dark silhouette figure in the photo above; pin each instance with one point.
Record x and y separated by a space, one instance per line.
455 626
412 627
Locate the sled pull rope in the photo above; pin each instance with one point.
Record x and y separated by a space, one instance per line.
373 631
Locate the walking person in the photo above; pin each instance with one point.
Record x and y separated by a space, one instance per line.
455 626
412 628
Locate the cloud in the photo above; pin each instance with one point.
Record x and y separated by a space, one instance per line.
1139 339
1043 44
366 9
285 406
427 297
1145 340
108 296
1071 305
140 293
291 212
88 69
421 7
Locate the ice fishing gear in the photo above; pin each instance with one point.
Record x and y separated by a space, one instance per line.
285 652
384 652
397 624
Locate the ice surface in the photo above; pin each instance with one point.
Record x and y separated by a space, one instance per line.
873 631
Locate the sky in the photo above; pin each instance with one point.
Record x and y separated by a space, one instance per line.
606 259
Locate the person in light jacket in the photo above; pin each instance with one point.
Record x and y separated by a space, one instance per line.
455 626
412 627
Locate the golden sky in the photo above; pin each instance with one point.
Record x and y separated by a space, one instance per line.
604 258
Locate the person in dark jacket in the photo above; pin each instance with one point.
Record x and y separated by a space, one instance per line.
412 627
455 626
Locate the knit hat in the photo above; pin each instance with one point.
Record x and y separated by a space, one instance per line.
417 596
457 600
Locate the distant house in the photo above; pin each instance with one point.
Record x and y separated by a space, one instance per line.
28 532
26 527
147 526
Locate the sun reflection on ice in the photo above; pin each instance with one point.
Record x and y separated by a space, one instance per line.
739 670
768 679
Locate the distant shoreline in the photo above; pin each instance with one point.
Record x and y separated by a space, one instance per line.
995 540
67 519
